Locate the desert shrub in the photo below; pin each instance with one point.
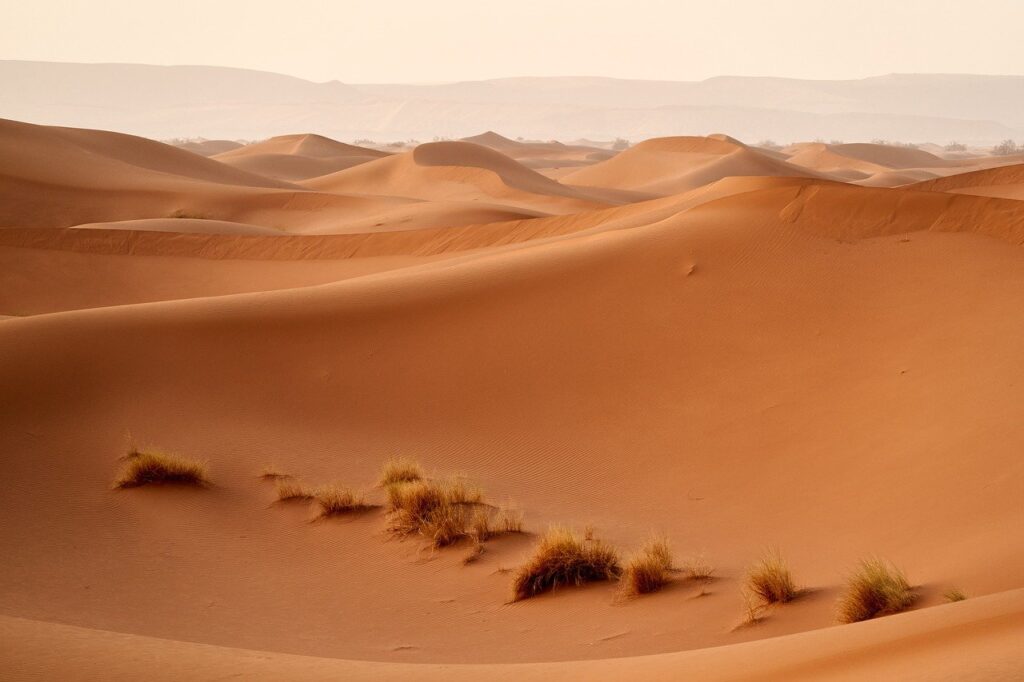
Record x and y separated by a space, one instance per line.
954 594
1005 148
270 472
564 558
876 588
184 214
770 580
337 500
289 489
650 569
150 466
441 511
506 520
400 470
697 568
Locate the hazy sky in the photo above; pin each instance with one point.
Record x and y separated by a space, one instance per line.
361 41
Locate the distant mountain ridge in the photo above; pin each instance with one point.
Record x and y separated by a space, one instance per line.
220 102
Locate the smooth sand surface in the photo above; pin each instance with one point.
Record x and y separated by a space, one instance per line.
700 340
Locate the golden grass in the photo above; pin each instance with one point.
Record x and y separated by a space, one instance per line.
400 470
876 588
697 568
507 520
272 473
149 466
288 489
954 594
770 580
337 500
443 512
648 570
564 558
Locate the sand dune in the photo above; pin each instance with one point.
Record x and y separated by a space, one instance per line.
913 646
461 171
677 164
714 344
208 147
542 155
862 158
1004 181
107 177
298 157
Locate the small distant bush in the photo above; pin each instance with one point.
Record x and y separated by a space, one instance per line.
875 589
564 558
336 500
1005 148
150 466
400 470
770 580
183 214
955 147
769 144
648 570
697 568
289 490
272 473
954 594
620 144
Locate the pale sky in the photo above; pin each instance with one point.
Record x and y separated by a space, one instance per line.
410 41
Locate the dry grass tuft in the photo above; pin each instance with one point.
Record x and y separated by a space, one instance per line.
400 470
752 607
507 520
443 512
288 489
697 568
337 501
954 594
876 588
648 570
149 466
770 580
564 558
272 473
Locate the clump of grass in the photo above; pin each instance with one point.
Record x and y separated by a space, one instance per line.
876 588
185 214
149 466
954 594
697 568
441 511
564 558
770 580
337 501
648 570
288 490
507 520
272 473
752 607
400 470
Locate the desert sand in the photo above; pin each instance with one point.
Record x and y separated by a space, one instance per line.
815 349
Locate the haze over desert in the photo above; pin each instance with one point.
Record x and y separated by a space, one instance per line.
637 375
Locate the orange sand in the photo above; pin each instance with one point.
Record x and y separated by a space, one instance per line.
690 337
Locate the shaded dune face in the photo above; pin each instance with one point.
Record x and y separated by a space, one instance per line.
689 339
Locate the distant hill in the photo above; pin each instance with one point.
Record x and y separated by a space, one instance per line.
215 102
